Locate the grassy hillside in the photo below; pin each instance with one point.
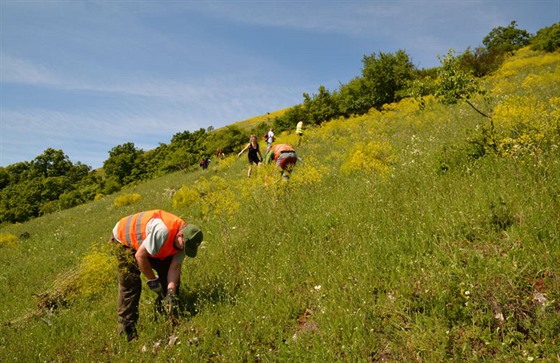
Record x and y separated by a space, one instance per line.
403 235
252 122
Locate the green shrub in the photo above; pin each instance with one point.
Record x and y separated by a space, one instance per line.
547 39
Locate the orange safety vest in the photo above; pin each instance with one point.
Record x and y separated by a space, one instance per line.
277 150
131 230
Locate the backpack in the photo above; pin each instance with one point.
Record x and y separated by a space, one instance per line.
266 137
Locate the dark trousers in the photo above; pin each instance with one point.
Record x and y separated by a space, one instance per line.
130 287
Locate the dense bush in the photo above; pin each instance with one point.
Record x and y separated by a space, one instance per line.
48 183
547 39
481 62
506 39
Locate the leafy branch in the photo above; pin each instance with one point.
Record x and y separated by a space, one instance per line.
457 85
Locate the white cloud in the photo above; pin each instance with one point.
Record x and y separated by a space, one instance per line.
14 70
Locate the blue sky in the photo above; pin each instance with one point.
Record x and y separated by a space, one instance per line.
86 76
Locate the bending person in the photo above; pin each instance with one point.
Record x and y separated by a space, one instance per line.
285 157
147 241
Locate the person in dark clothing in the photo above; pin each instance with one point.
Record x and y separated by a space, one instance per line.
204 162
254 153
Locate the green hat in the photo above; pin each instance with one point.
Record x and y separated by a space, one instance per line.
193 238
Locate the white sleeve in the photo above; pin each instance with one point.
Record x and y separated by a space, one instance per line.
156 235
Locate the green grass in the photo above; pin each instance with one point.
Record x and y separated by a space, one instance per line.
420 263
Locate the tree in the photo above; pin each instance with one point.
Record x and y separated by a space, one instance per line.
506 39
190 138
351 98
30 189
184 150
547 39
52 187
319 107
22 201
4 178
481 61
124 163
79 172
424 84
19 171
456 84
384 75
228 139
178 158
51 163
290 118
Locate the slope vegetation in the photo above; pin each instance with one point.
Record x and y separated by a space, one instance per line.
407 234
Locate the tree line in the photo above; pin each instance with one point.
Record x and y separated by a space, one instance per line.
51 182
390 77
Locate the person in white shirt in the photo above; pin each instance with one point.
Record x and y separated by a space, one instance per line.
269 140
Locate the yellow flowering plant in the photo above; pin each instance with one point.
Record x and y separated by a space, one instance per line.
372 156
126 199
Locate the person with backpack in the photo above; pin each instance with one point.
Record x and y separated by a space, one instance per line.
254 153
285 157
269 139
147 241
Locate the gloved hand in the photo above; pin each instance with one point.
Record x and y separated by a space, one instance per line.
170 305
155 286
170 302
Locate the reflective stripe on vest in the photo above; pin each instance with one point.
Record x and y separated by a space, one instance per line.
138 229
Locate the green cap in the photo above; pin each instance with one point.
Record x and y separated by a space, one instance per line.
193 238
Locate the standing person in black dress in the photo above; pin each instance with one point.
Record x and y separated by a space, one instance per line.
254 155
